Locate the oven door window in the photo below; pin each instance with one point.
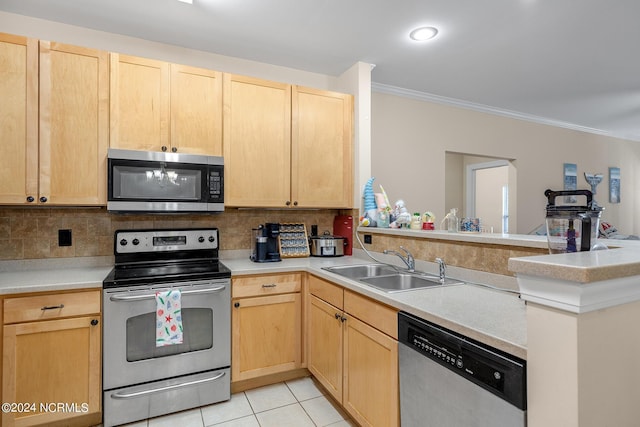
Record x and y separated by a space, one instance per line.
197 324
156 182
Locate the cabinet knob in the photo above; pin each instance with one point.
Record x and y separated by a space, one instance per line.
236 305
94 322
164 148
174 149
30 199
295 203
343 319
337 315
43 199
288 203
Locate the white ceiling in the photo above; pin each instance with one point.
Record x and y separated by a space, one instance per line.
570 62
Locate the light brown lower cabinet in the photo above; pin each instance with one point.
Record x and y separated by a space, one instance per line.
52 360
266 324
351 356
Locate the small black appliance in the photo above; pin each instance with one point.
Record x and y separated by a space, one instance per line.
265 241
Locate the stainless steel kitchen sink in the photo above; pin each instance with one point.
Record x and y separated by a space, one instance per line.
388 278
361 271
405 282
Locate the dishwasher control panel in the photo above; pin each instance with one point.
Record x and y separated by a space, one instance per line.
490 368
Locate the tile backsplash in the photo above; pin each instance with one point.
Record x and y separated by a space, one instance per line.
31 233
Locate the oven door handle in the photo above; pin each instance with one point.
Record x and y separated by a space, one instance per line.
118 297
133 395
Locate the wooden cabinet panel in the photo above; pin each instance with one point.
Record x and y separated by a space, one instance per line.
53 123
321 171
371 391
325 345
30 308
196 110
74 96
250 286
327 291
18 118
352 359
49 362
266 335
379 316
139 99
257 142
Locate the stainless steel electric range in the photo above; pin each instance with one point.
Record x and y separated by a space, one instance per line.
140 378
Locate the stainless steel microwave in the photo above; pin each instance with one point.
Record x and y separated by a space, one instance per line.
150 181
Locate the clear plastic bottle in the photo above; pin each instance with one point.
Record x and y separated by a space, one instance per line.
452 221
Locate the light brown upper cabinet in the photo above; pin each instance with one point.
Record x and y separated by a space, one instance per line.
286 146
321 148
59 159
18 118
158 106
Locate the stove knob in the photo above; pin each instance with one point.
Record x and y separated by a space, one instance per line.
212 239
201 239
123 242
136 242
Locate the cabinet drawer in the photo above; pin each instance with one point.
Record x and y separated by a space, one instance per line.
378 315
327 291
249 286
51 306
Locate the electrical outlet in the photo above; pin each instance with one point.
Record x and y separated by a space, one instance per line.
368 238
64 237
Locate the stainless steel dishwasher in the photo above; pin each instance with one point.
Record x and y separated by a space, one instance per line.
448 380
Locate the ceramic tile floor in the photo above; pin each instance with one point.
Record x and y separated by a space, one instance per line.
296 403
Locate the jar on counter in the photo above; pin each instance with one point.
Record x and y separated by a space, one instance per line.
416 221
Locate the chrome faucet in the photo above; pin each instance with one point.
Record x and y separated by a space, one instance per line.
409 261
442 268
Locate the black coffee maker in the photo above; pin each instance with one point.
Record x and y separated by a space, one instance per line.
265 243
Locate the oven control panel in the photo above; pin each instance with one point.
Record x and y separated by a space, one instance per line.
138 241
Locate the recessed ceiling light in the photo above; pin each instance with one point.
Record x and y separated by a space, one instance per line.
423 33
186 1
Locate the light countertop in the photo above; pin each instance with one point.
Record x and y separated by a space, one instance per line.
493 317
490 316
582 267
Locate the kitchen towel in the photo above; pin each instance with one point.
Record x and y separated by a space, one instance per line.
168 318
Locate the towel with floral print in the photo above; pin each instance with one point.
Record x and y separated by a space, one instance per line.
168 318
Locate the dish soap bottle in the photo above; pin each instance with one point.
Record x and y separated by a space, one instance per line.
452 221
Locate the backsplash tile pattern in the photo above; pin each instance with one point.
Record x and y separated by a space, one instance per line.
481 257
31 233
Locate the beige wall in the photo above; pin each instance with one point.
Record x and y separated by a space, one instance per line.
410 138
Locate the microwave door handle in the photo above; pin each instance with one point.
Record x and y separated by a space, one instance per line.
120 297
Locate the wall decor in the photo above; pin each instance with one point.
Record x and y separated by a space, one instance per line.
570 180
614 185
593 179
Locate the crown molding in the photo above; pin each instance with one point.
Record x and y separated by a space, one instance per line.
428 97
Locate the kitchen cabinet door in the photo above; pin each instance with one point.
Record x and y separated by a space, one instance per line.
139 103
371 393
322 159
257 142
196 110
18 118
325 345
266 335
74 125
50 362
